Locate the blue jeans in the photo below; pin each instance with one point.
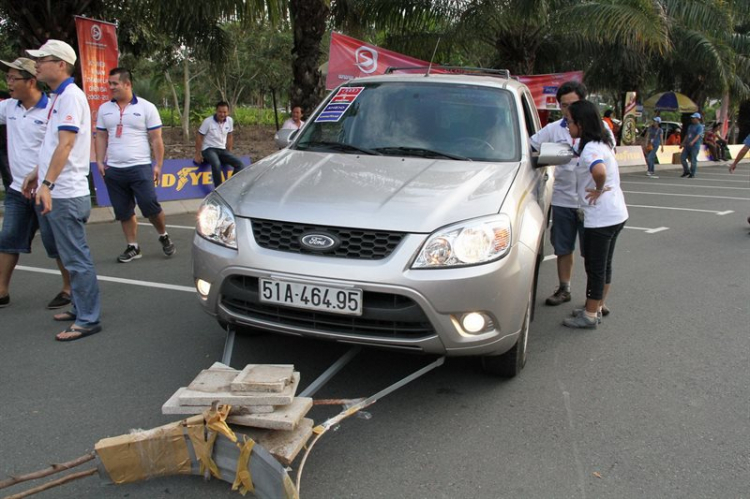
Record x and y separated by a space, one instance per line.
692 153
566 226
67 224
651 159
217 157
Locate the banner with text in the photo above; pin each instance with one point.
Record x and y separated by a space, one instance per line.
98 54
180 179
351 58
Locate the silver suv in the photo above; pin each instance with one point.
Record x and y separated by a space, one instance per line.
408 213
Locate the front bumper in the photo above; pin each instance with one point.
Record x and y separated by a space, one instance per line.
405 309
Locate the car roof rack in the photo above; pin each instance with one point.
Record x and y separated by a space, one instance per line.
503 73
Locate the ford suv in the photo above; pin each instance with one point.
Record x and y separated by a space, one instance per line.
408 213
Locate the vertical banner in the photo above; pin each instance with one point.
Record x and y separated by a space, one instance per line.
544 87
98 54
629 135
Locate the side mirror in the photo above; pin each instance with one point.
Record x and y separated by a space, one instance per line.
284 137
554 154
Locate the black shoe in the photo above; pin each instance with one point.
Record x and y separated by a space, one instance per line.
131 253
62 299
684 174
166 245
691 176
559 296
5 301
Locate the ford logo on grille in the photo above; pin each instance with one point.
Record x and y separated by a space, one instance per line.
319 242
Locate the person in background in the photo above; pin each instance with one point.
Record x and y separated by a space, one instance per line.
691 145
63 198
654 140
603 204
608 120
715 143
5 174
26 118
128 128
214 142
295 122
675 138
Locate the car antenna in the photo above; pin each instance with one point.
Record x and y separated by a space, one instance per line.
429 68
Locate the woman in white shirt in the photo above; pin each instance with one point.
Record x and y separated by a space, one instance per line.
603 205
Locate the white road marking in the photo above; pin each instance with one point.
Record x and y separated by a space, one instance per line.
720 213
171 226
549 257
690 185
647 230
119 280
686 195
738 181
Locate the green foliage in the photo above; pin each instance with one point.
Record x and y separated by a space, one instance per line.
243 116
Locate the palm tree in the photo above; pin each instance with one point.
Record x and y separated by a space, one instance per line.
308 19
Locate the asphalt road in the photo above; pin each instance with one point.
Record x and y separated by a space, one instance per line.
655 403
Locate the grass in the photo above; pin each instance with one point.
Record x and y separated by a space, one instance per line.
243 116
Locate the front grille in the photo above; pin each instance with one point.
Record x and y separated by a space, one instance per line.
384 315
355 243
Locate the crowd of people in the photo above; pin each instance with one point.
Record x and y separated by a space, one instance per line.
47 190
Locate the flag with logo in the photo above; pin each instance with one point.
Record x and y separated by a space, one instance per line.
98 54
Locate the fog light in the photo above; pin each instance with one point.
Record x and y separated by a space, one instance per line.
473 322
203 287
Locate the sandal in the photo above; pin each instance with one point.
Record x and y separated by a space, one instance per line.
82 332
64 317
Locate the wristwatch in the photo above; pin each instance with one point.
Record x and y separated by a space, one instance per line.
49 184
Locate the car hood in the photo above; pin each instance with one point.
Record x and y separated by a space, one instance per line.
369 192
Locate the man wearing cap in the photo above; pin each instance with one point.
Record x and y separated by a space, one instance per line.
125 127
655 139
63 197
25 115
692 146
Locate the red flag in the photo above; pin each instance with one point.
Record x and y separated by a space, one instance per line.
98 53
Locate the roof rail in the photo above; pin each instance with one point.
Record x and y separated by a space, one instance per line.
503 73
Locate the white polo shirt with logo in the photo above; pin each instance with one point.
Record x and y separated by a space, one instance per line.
138 118
215 133
69 111
26 129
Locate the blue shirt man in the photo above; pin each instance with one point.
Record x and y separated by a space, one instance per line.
692 146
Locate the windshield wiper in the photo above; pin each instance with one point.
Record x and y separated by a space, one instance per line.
336 146
421 152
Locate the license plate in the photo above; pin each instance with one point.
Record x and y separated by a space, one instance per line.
346 301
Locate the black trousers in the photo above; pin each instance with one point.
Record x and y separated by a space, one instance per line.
599 248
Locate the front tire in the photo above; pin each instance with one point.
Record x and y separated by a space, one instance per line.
510 364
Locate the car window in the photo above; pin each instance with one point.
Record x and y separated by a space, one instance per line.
407 119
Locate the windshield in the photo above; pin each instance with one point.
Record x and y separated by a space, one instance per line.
449 121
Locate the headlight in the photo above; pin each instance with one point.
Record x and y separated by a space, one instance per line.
216 222
469 243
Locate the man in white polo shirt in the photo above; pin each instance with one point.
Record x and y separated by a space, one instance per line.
63 197
125 127
214 142
25 115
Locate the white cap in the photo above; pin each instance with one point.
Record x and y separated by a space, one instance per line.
55 48
22 64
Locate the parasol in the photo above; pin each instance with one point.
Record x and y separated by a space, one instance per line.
671 101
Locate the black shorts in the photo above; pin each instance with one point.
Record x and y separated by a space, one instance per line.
131 185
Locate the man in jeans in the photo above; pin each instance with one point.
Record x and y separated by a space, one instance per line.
214 142
26 118
63 197
125 127
692 146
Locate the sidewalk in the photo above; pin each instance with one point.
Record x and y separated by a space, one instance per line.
105 214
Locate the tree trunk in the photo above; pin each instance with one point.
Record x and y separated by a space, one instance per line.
168 78
308 25
185 118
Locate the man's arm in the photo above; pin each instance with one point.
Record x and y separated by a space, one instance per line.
230 141
198 148
157 145
739 157
57 163
101 143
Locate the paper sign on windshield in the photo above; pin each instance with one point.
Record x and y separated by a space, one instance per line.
338 105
